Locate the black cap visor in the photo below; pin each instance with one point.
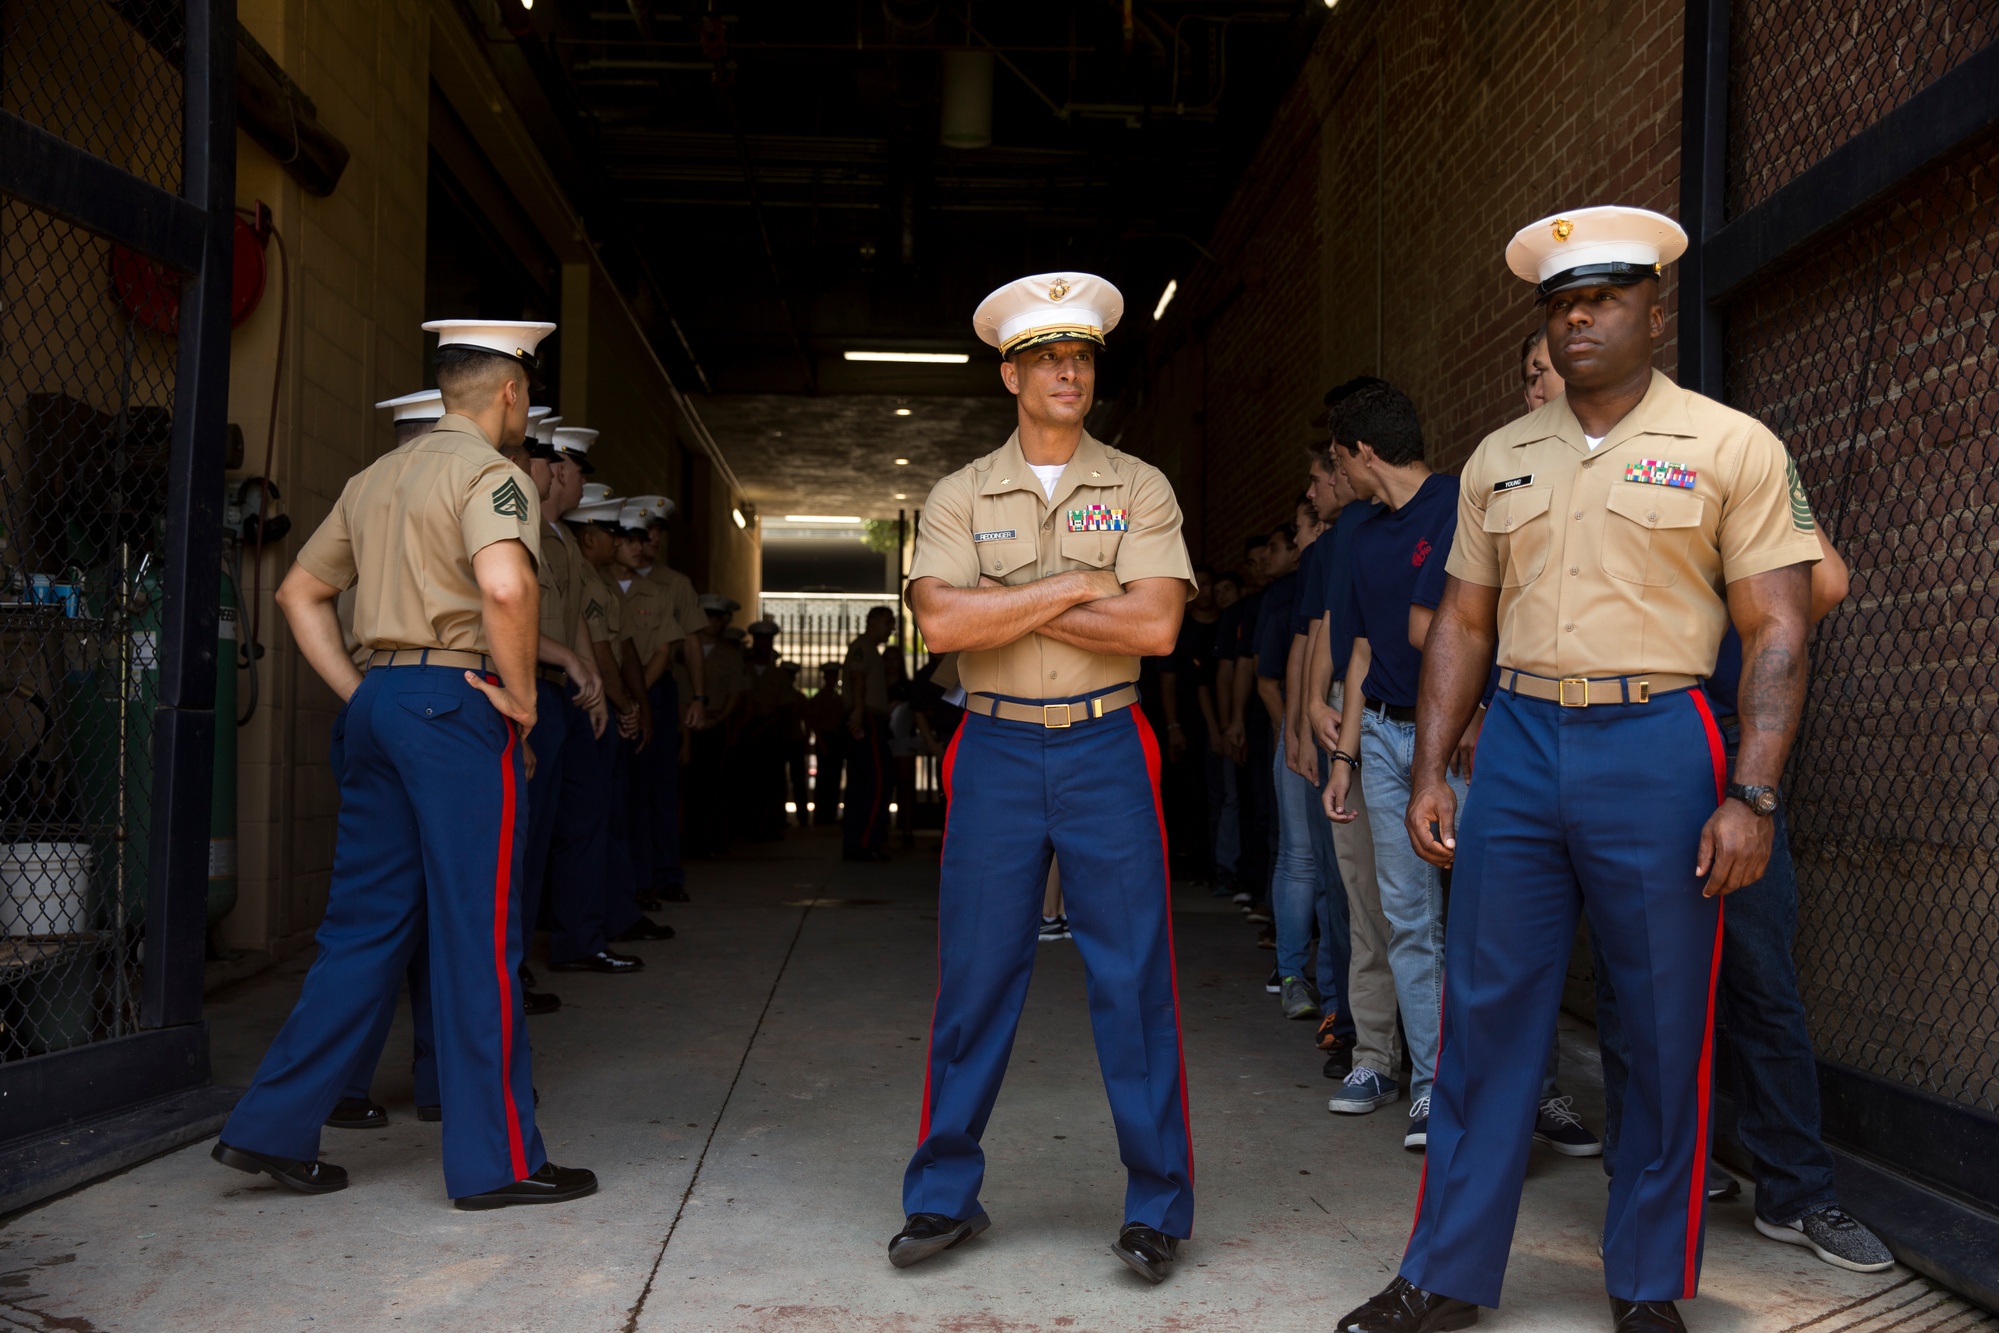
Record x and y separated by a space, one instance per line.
1596 275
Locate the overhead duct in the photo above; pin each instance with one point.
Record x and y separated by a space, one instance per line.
968 99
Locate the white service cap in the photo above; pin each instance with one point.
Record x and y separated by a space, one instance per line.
423 405
1609 244
1048 307
516 338
575 441
635 515
595 492
656 506
603 510
715 601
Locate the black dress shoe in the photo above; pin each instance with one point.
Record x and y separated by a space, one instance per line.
1403 1307
356 1113
540 1001
1645 1317
430 1115
601 961
645 928
526 975
925 1234
1147 1252
305 1177
551 1184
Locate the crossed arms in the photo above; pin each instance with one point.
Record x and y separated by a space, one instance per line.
1087 609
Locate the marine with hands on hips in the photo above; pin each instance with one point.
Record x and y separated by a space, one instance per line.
1050 566
440 539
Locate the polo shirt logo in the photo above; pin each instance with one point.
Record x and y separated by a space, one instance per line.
509 502
1422 552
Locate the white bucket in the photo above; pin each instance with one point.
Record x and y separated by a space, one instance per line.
44 888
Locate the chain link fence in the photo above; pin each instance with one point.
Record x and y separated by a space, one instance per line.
1873 356
86 394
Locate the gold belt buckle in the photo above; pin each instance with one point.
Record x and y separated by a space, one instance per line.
1048 716
1581 698
1639 691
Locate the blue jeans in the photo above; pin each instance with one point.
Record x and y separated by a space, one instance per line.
1412 890
1776 1080
1306 890
1224 818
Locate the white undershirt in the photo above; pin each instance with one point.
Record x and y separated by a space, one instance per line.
1593 441
624 585
1047 475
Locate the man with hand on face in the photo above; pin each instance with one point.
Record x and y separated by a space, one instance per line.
1605 542
440 538
1050 566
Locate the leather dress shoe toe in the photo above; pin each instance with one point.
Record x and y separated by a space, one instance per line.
1403 1307
551 1184
1147 1252
925 1234
305 1177
1645 1317
601 961
356 1113
645 928
540 1001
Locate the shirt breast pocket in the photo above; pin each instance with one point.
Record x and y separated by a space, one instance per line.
1009 561
1096 550
1521 529
1648 533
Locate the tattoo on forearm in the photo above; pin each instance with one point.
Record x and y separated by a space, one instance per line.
1773 690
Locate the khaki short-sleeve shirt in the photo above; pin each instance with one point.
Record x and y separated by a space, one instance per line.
992 519
648 618
405 529
1615 563
865 673
602 611
561 586
680 595
724 674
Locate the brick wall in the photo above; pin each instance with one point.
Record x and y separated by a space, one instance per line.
356 283
1368 231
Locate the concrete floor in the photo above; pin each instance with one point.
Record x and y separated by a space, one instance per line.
749 1102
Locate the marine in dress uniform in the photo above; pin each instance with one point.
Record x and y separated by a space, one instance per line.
772 709
653 633
709 762
1605 541
1051 566
679 701
827 719
440 539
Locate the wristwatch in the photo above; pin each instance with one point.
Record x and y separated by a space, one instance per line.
1760 800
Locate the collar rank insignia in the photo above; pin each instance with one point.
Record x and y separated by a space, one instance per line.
1653 472
1097 518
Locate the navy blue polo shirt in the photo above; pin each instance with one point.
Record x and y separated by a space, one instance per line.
1335 577
1273 625
1227 629
1304 610
1390 551
1245 630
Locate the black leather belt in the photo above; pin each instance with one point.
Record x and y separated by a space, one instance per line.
1393 712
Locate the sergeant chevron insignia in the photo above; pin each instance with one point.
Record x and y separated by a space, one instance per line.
509 501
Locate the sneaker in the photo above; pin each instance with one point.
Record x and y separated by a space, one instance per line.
1836 1236
1418 1135
1055 928
1328 1039
1220 890
1363 1091
1720 1184
1340 1062
1274 983
1297 1001
1257 915
1562 1129
1267 938
1241 898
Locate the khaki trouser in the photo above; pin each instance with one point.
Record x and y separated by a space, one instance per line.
1370 983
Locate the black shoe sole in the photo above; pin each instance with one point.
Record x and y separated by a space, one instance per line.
1137 1264
374 1120
256 1166
486 1203
904 1253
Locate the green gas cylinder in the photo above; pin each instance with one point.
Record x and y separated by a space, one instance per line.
222 812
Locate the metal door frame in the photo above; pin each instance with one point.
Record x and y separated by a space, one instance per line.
164 1066
1921 1169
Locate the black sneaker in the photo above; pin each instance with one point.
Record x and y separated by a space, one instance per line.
1561 1128
1340 1063
1274 983
1836 1236
1055 929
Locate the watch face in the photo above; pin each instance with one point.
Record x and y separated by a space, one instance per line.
1766 801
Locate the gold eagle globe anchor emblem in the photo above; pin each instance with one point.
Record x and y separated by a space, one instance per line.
1058 289
1564 229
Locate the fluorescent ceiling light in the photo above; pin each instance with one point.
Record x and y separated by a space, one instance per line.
1165 299
741 522
913 358
902 411
845 519
902 462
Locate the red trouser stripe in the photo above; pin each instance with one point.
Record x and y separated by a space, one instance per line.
1697 1190
502 893
1150 744
950 765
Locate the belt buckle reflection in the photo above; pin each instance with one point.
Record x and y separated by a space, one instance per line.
1048 716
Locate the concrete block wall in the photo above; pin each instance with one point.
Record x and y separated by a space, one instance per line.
1368 231
356 284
